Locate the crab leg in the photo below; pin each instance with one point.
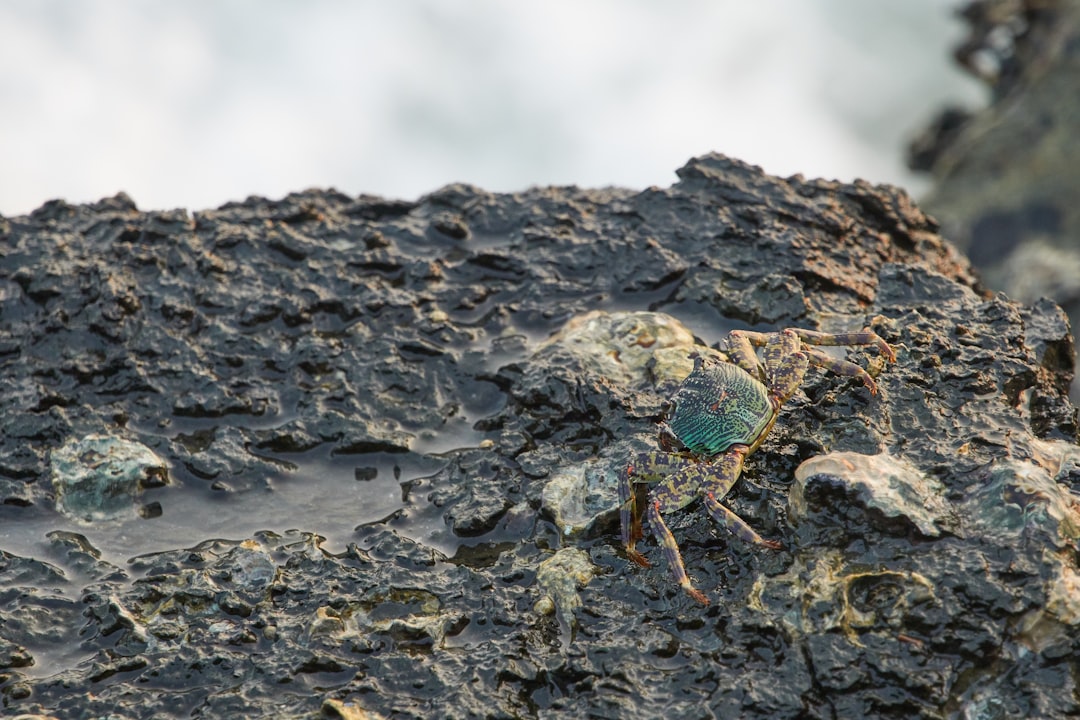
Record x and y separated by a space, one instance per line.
674 493
650 467
739 346
671 551
865 337
680 481
718 483
785 366
840 367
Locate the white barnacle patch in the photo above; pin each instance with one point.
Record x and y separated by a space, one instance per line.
569 498
628 348
558 579
879 482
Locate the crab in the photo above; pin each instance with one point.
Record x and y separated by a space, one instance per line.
720 414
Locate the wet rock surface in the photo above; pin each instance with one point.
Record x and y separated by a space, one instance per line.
267 349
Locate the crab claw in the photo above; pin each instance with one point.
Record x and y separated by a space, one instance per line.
883 346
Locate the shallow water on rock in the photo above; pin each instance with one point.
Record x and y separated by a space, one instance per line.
325 495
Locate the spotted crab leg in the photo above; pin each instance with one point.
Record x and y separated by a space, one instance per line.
782 350
865 337
677 482
680 481
739 347
841 367
649 467
740 344
725 470
677 491
785 366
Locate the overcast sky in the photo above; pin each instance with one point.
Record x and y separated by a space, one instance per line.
192 103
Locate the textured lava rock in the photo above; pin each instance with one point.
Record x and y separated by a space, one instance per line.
249 344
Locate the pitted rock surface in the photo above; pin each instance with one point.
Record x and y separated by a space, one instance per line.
247 345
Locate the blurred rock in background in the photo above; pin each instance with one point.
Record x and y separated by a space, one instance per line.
1006 179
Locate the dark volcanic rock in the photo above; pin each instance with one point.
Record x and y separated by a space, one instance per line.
929 561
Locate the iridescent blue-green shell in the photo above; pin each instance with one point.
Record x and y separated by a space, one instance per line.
718 406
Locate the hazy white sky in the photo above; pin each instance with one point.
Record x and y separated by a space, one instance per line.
192 103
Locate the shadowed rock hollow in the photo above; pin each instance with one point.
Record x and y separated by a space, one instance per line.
446 388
